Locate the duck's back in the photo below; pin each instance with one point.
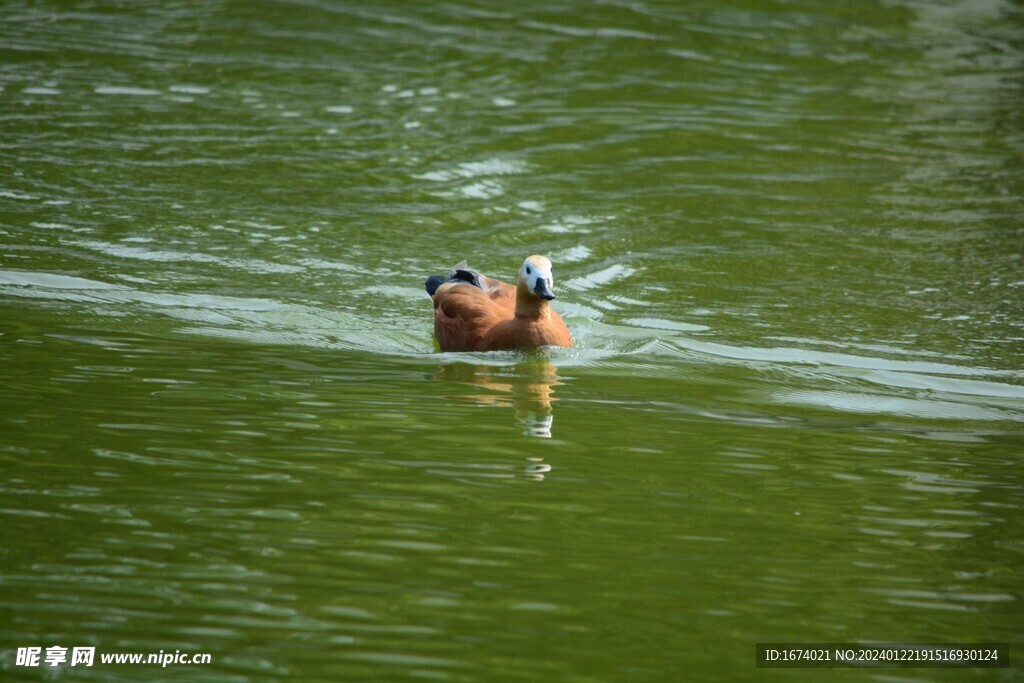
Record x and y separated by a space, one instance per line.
464 314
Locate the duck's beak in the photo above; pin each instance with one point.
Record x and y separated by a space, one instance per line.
543 290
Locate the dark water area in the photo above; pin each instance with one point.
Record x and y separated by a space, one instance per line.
787 238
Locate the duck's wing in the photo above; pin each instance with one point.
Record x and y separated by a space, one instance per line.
502 293
463 315
460 273
461 300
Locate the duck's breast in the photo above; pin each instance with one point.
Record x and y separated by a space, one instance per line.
520 333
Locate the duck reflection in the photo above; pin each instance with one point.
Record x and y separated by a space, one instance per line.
528 387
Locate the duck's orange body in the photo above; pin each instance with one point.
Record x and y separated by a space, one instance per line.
477 313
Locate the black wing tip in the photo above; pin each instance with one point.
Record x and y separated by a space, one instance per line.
465 276
459 273
433 282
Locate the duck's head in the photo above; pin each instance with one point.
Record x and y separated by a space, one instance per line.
535 277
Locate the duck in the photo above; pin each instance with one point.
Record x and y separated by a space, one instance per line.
473 312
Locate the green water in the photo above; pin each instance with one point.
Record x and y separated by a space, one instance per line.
787 237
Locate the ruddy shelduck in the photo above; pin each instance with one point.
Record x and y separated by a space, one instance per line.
473 312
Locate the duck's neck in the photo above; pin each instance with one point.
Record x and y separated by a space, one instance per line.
529 306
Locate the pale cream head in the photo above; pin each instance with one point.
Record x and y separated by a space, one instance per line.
536 275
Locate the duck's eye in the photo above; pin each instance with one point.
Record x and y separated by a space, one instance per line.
528 271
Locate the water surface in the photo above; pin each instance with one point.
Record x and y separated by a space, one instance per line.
787 237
